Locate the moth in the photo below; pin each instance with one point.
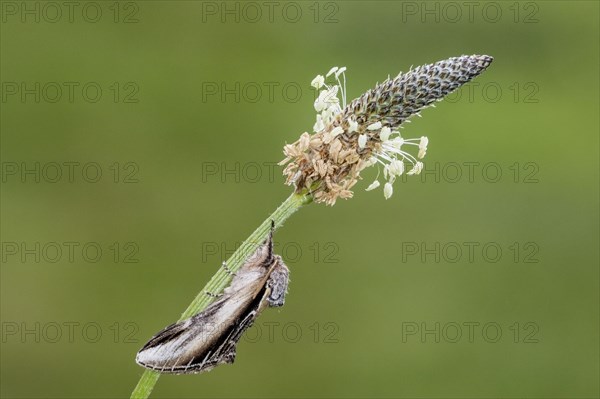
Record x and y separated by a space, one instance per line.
210 337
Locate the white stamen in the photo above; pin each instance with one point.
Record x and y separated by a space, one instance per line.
318 82
388 190
416 169
396 167
362 141
340 71
337 130
319 125
373 185
353 126
374 126
423 147
384 135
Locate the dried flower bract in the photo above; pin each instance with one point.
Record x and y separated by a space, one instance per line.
349 138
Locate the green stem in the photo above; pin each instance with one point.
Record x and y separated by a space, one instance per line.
221 279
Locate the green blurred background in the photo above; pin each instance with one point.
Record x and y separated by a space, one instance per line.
359 298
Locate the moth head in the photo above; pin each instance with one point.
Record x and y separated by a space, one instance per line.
263 256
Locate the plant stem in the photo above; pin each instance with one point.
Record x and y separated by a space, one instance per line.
221 278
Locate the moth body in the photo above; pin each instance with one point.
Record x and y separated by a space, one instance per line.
209 338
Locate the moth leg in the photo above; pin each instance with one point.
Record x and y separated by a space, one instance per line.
224 265
229 357
212 295
278 282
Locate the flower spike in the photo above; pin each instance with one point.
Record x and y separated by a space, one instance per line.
351 137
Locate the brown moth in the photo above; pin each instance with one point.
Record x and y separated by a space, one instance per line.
210 337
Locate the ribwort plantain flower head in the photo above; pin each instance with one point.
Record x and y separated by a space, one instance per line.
350 137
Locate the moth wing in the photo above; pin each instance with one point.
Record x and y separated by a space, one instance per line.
224 353
228 350
184 347
166 334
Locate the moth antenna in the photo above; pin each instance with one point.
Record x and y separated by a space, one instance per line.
270 243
